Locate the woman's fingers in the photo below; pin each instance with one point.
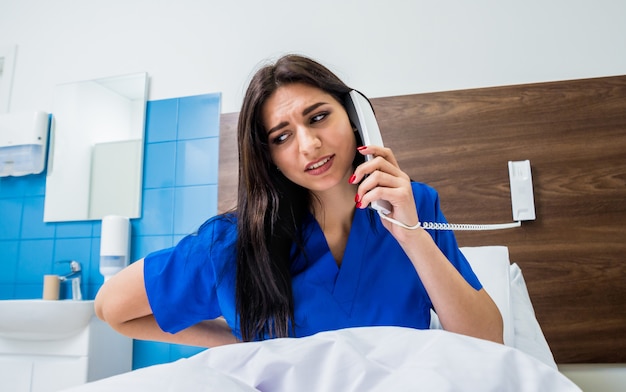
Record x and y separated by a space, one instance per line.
381 185
378 164
381 178
378 151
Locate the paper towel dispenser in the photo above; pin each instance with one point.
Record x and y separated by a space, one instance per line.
23 143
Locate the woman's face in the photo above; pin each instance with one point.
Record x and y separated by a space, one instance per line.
310 137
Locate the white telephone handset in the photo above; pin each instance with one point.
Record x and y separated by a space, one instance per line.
362 117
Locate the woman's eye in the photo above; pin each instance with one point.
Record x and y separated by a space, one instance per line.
318 117
280 138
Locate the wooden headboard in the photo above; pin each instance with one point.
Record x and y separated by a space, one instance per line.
573 255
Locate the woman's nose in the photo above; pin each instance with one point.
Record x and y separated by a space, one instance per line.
308 140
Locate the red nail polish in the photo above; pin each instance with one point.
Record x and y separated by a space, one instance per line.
361 148
351 180
358 204
357 198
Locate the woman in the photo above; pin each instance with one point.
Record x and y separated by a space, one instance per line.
302 253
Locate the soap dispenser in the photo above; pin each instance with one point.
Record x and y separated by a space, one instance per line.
114 245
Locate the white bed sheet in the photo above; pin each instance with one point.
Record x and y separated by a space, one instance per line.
356 359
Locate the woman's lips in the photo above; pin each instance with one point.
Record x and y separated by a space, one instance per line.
320 166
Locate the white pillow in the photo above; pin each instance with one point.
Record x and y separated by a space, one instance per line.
528 334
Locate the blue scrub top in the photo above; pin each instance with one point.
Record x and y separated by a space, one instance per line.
375 285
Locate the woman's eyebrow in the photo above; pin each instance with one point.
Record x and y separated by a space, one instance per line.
278 127
312 108
306 111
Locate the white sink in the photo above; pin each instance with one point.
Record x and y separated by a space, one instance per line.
38 319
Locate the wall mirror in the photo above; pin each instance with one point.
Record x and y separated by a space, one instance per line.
95 163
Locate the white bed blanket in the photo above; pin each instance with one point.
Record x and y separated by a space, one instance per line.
354 359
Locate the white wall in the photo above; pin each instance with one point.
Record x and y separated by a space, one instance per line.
382 48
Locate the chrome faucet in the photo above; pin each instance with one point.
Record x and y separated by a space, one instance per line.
74 276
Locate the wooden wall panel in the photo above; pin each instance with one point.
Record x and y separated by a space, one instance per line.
574 134
228 163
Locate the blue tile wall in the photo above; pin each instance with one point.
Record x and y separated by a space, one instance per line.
179 193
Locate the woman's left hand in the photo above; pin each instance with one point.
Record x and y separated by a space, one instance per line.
382 178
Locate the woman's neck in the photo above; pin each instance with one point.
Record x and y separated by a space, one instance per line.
335 205
334 210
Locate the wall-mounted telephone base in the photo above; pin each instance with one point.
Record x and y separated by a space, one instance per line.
522 200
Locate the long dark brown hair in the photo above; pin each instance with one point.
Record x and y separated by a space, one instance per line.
270 208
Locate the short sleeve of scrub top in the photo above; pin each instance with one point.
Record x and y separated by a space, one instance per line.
375 285
182 282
